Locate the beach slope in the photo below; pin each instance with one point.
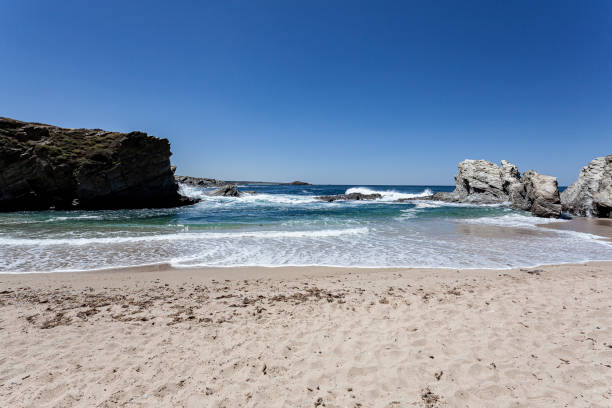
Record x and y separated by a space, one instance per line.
304 337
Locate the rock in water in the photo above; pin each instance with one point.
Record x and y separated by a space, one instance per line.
591 194
483 182
44 166
542 194
228 190
351 196
479 179
199 181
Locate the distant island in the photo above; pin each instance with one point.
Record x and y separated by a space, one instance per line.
211 182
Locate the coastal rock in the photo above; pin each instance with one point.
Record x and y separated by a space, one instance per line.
479 178
229 190
591 194
199 181
44 166
542 194
513 186
483 182
351 196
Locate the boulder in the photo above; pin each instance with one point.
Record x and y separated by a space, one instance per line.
591 194
479 178
351 196
542 194
44 167
228 190
483 182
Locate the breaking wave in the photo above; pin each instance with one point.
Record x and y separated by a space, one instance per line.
389 195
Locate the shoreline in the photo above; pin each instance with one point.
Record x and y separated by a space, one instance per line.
599 228
280 271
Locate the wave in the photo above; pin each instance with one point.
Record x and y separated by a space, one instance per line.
191 191
245 198
262 198
186 236
420 206
75 217
287 199
389 195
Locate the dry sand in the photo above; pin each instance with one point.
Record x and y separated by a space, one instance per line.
308 337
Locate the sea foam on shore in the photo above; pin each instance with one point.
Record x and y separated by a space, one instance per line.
288 225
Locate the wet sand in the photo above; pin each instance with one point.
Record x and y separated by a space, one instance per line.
595 226
304 337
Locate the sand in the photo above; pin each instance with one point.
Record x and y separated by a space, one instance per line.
308 337
594 226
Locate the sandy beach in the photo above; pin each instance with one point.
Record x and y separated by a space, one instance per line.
304 337
213 204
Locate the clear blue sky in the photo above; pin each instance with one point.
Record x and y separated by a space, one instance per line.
377 92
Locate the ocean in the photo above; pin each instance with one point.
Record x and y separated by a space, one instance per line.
287 226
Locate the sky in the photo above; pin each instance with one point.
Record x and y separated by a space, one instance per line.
330 92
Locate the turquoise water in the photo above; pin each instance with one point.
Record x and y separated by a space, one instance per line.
287 225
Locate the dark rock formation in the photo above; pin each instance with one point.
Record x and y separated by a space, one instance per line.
228 190
591 194
483 182
199 181
44 166
296 183
351 196
211 182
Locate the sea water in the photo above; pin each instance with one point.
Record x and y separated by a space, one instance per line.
289 226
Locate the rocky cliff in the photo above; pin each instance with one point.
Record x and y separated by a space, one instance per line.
44 166
483 182
591 194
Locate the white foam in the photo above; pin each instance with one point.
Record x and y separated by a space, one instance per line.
75 217
512 220
244 199
423 205
275 199
389 195
428 204
532 223
184 237
191 191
